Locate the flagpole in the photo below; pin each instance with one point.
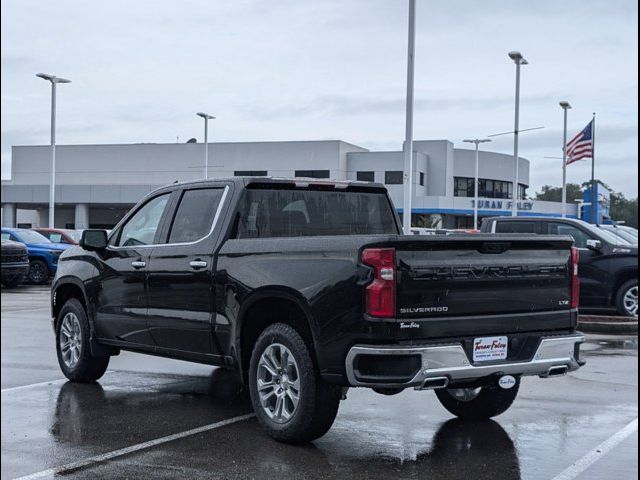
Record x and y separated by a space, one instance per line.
565 106
594 193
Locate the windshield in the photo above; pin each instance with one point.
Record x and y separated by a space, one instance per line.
604 235
631 231
75 234
29 236
620 233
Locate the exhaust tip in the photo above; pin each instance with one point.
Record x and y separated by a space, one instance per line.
434 383
558 371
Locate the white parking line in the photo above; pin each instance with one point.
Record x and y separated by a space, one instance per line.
597 453
134 448
32 385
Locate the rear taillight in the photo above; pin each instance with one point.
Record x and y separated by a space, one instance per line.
575 280
380 294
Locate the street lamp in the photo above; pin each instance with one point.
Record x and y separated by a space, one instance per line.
408 141
476 141
518 60
565 106
206 117
52 186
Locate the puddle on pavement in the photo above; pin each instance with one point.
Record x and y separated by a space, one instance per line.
625 344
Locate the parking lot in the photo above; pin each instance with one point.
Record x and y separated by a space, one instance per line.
157 418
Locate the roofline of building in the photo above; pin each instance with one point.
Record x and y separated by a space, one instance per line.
186 143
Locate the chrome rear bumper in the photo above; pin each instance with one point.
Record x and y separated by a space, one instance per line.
554 356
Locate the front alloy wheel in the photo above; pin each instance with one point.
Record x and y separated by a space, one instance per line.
278 382
630 301
70 340
73 334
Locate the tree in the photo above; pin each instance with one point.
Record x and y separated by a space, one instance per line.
624 210
554 194
621 209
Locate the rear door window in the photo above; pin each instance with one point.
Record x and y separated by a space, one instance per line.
195 214
265 213
516 227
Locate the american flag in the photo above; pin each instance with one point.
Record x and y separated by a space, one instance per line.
581 146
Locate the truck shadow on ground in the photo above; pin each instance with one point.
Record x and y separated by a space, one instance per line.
88 417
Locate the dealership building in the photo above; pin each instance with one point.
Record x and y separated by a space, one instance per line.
97 184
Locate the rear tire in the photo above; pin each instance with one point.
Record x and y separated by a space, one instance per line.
281 349
477 404
73 345
38 272
627 299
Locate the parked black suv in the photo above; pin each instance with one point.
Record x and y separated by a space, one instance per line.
308 287
15 263
608 264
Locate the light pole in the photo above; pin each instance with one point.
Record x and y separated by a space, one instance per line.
476 141
408 140
565 106
206 117
52 186
519 60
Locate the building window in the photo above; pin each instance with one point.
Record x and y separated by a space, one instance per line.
312 173
250 173
366 176
463 187
522 191
422 179
393 177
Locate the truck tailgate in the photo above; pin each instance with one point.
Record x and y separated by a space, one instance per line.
476 275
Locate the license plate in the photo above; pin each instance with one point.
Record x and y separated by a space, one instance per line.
489 348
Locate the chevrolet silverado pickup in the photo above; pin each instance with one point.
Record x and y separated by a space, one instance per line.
307 288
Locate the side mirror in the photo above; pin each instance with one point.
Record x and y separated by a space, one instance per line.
93 240
595 245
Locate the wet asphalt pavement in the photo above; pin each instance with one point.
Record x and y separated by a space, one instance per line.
144 417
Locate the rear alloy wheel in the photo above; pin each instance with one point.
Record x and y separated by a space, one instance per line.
627 299
38 272
477 403
278 383
291 401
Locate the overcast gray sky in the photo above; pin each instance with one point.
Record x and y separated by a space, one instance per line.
330 69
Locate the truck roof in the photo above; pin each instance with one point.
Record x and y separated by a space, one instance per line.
300 182
532 218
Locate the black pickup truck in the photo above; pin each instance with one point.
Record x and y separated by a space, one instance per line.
608 264
308 287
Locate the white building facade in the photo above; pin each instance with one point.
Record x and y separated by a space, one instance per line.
97 184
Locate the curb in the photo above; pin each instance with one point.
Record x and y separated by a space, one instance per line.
608 324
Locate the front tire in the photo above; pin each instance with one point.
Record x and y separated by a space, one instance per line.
290 400
38 272
627 299
477 403
73 345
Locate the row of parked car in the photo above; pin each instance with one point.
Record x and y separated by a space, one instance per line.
31 255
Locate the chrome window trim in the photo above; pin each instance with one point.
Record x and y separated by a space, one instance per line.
216 217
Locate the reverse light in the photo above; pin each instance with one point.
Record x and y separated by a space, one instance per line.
380 294
575 279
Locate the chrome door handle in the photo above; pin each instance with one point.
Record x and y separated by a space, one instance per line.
138 264
198 264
